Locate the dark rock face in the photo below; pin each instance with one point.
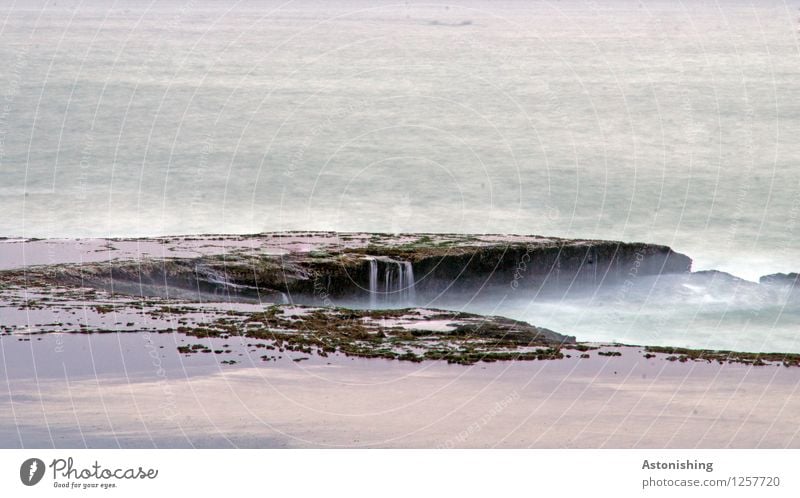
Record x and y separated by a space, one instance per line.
786 279
533 267
537 267
469 265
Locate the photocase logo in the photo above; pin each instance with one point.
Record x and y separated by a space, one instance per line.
31 471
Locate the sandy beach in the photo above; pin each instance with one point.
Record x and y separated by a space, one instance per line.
109 391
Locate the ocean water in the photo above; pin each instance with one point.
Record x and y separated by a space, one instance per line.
666 122
708 311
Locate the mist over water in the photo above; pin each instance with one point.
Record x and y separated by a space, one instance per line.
637 121
705 310
708 312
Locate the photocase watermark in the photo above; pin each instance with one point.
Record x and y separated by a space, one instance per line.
66 473
522 266
168 404
623 292
14 83
321 290
85 166
481 423
198 197
31 471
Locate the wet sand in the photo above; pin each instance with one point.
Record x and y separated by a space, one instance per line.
111 391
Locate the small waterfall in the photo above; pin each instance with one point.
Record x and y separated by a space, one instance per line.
373 282
411 292
212 276
217 279
398 282
558 270
387 282
220 282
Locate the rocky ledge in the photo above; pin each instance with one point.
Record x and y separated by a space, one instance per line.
783 279
315 267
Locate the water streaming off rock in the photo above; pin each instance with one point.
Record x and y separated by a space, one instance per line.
399 286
